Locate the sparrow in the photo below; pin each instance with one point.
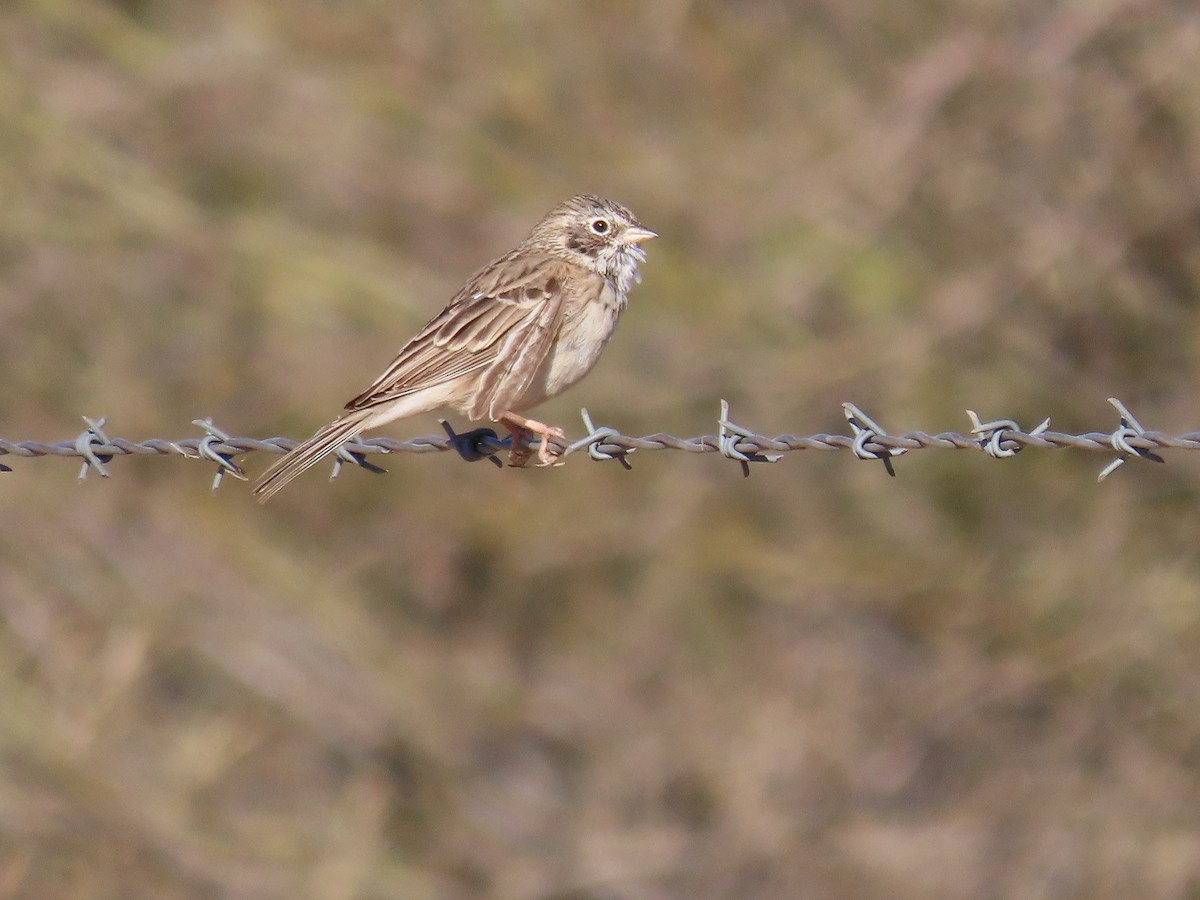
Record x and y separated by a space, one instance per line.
523 329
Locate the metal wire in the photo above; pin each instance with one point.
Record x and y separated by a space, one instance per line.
1000 439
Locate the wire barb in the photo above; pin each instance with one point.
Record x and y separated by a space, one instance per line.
729 435
597 436
476 444
348 454
1130 427
204 450
867 431
93 436
993 435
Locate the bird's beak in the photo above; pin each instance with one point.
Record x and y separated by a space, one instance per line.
636 234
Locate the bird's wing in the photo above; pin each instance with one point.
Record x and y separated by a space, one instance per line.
510 304
522 352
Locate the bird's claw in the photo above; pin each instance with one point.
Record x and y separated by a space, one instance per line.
547 454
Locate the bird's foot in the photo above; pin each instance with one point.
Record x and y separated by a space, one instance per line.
521 428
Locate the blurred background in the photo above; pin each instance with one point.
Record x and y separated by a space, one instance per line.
975 679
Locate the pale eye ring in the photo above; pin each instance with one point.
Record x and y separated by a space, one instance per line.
600 226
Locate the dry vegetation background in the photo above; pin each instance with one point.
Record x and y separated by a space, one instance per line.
977 679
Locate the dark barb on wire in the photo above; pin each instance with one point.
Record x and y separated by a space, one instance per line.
999 439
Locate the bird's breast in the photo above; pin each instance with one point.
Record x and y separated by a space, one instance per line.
587 324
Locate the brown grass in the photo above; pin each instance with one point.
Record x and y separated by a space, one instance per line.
977 679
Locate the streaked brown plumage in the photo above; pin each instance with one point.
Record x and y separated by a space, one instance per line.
525 327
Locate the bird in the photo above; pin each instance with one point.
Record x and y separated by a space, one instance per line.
523 329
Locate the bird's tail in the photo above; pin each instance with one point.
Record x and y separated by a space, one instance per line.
305 456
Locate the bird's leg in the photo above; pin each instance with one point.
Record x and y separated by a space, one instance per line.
520 426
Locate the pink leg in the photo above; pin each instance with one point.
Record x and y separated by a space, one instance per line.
520 426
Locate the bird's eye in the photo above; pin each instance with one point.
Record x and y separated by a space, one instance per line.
600 226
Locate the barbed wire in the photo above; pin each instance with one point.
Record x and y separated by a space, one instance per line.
999 439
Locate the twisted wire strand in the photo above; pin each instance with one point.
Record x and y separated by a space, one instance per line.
999 439
1100 442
